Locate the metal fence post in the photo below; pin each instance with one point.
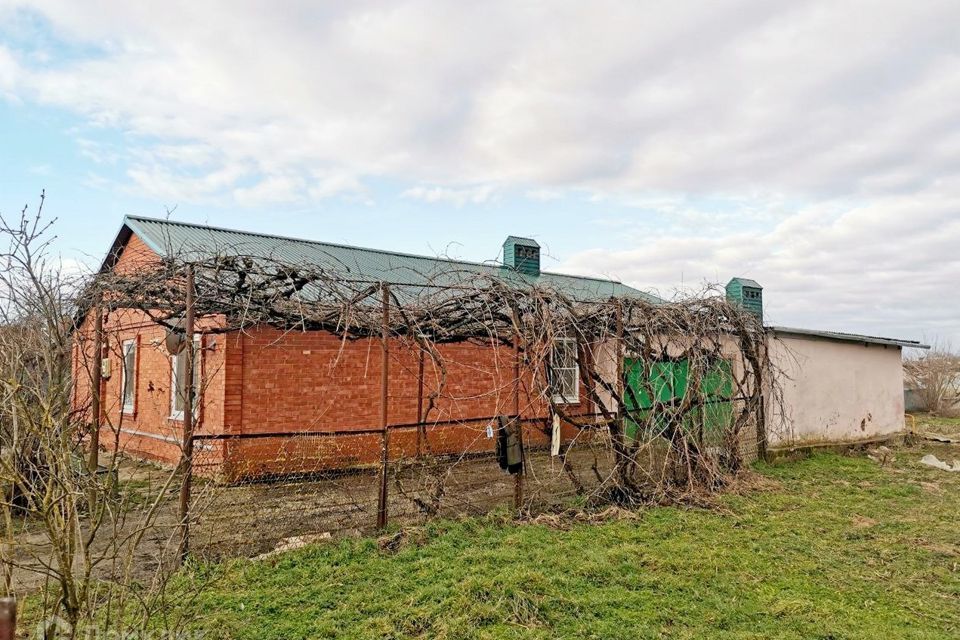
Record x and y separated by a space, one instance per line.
384 382
95 391
518 478
421 428
8 617
620 355
186 459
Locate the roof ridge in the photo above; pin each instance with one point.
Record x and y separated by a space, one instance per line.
355 247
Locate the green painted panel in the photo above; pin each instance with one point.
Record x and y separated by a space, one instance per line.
667 382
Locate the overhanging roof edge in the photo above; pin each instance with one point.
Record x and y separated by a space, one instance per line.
848 337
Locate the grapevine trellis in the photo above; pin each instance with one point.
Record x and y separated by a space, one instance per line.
225 291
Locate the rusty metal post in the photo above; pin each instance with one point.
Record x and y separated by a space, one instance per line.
186 459
620 355
96 382
518 478
421 428
618 431
384 382
8 618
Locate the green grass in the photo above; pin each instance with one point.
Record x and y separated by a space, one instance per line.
927 423
837 548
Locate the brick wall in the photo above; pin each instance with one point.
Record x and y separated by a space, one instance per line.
310 382
266 381
148 430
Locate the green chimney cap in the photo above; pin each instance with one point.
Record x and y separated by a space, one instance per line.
522 255
748 294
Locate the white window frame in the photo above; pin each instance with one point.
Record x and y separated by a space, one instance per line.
128 347
174 381
560 398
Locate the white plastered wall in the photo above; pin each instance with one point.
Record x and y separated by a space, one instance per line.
834 391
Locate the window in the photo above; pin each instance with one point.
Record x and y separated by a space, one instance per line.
128 383
565 371
178 378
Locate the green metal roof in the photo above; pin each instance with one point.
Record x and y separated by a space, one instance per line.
169 238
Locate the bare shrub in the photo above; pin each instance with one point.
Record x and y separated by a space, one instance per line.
71 526
935 377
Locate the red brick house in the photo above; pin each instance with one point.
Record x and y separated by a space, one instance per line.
279 402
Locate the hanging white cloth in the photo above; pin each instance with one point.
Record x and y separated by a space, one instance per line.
555 439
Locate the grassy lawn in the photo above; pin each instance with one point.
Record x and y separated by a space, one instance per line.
830 547
926 423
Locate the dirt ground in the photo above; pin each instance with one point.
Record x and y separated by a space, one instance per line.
254 518
346 504
257 517
929 424
140 482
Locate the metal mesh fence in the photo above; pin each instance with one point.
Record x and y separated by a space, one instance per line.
379 403
268 491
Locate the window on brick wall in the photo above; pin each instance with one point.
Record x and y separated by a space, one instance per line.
178 380
129 381
565 371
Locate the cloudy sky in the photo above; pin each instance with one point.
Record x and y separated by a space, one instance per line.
813 146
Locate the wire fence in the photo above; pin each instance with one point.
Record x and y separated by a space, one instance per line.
287 401
271 490
525 396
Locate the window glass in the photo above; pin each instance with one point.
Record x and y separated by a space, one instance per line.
129 375
565 371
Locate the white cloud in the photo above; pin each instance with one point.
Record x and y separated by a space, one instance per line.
9 74
99 152
825 97
455 196
715 118
884 267
270 190
338 184
165 181
544 195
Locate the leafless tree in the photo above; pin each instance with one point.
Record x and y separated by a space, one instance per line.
72 524
934 376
